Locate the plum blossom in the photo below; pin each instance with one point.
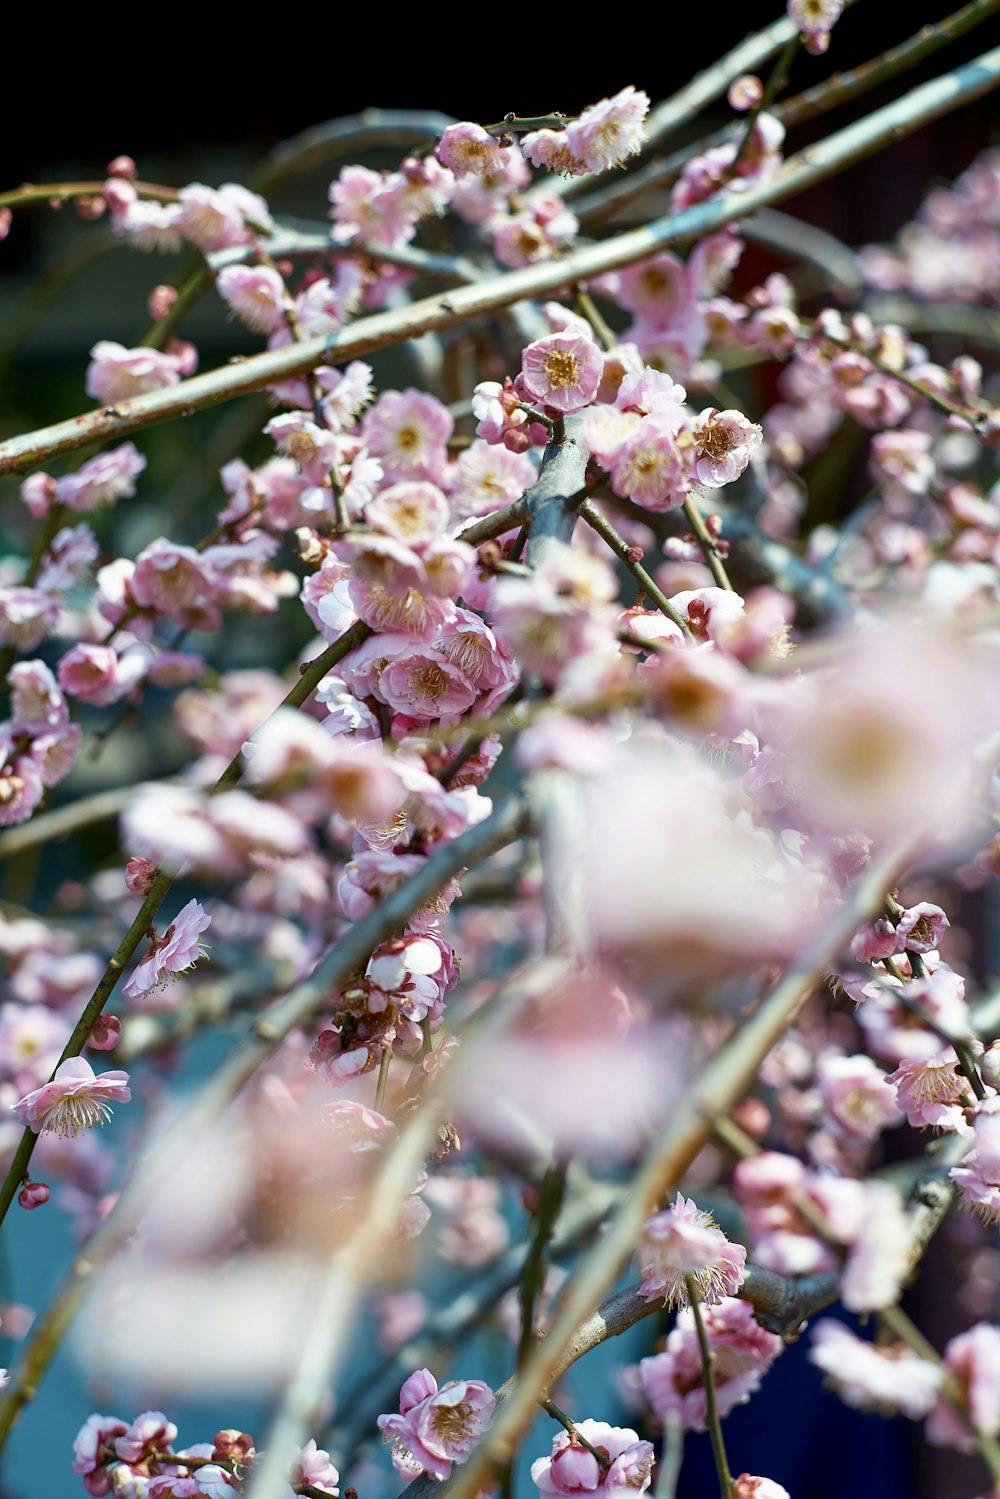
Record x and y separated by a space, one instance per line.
684 1242
178 949
468 150
609 132
437 1426
978 1176
723 442
255 294
116 373
75 1100
747 1486
931 1091
572 1469
743 1352
887 1378
973 1361
562 370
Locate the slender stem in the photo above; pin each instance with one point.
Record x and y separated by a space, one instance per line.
576 1435
63 192
813 165
712 1420
489 527
383 1079
707 543
777 79
628 555
550 1200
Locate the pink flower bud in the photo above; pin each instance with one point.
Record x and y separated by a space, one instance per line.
160 301
122 166
745 92
106 1033
33 1195
139 876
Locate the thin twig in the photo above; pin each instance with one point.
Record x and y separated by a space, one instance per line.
712 1420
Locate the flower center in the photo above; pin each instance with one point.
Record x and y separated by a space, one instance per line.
454 1424
561 369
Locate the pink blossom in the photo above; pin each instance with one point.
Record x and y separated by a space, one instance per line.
499 417
21 787
93 1449
437 1427
177 950
177 581
930 1091
151 1432
468 150
978 1176
425 685
723 444
27 615
102 480
68 559
488 477
684 1242
973 1361
471 1230
920 928
36 702
747 1486
313 1466
606 134
743 1352
571 1469
139 876
534 233
874 1376
255 293
90 673
814 17
116 373
408 432
857 1095
412 511
874 941
562 371
649 467
551 149
75 1100
219 218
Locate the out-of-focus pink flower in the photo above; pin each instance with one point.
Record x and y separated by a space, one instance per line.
219 218
745 92
684 1242
973 1361
255 294
408 431
177 950
437 1427
75 1100
571 1469
978 1176
743 1352
857 1095
887 1378
116 373
562 370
